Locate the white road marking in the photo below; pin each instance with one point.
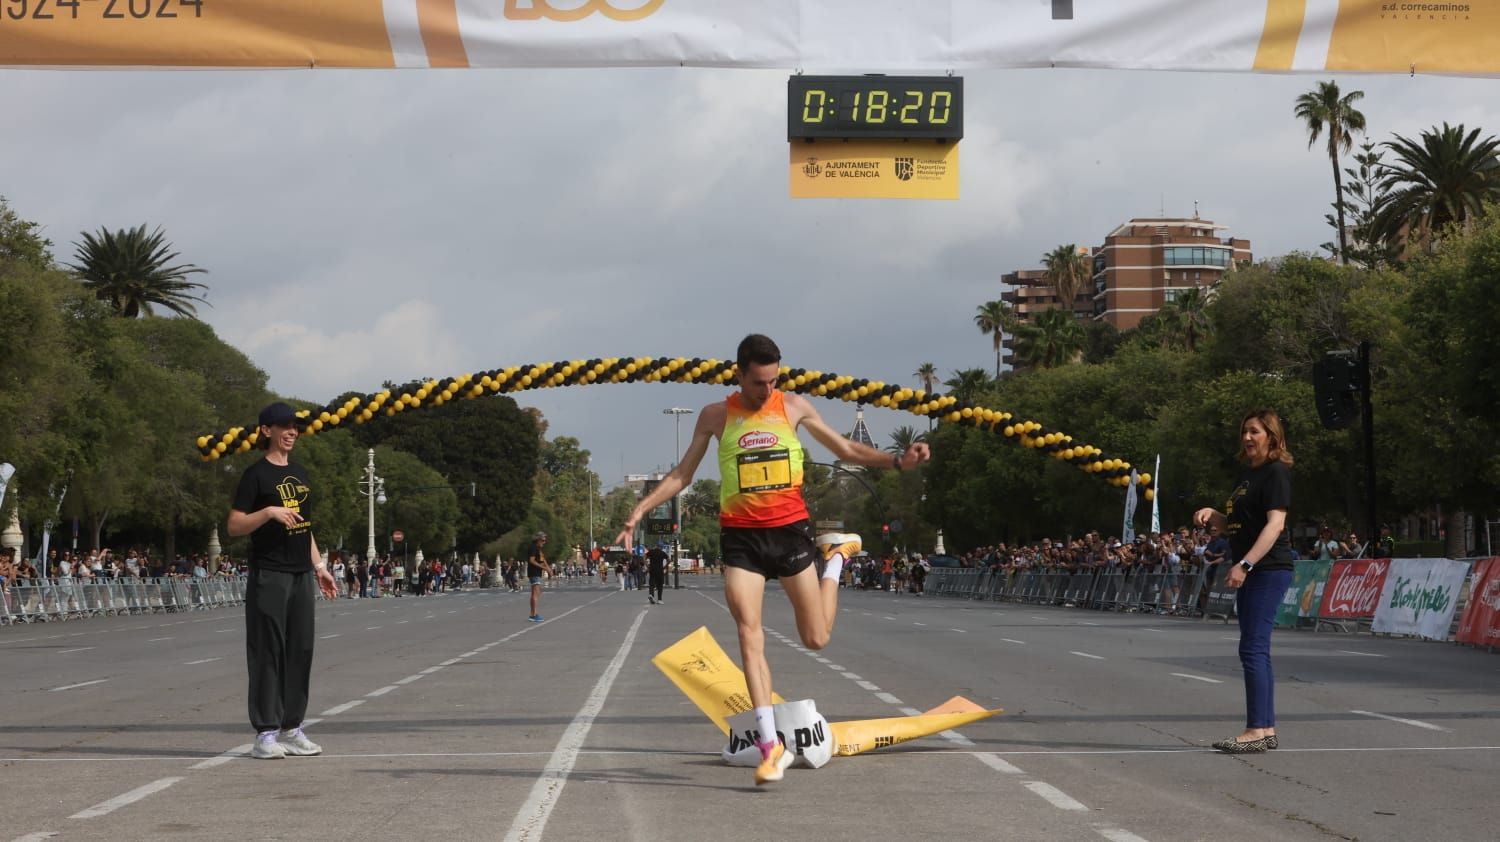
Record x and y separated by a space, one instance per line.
448 663
918 624
37 837
81 684
1013 640
888 698
960 631
409 679
1152 630
868 685
995 762
79 649
381 692
852 677
532 818
431 670
1197 677
200 661
1361 654
346 706
399 622
371 628
1115 834
957 739
224 631
327 636
1086 623
1041 618
158 639
1086 655
890 618
237 751
835 667
1416 722
104 808
911 711
1056 797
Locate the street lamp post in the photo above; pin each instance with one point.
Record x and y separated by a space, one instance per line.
677 412
374 489
588 480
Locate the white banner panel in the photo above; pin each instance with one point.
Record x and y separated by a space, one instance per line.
1419 597
1312 36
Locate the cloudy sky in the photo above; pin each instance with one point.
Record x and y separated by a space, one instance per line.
360 226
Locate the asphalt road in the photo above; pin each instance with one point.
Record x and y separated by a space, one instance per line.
453 717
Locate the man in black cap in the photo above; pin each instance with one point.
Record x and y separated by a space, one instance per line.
271 505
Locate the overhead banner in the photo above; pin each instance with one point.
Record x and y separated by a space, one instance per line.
1277 36
873 169
1419 597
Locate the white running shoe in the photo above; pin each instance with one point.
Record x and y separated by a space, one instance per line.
294 743
846 543
267 748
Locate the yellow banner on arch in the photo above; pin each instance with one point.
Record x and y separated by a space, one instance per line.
1312 36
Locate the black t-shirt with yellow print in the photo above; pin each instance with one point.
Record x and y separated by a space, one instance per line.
1259 491
274 546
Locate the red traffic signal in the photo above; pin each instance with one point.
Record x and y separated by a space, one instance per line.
885 529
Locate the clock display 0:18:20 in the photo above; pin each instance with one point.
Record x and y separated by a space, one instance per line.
875 106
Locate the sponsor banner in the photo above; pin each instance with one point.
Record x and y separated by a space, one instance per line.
1419 597
873 169
1481 621
1276 36
704 673
1308 579
1353 588
799 727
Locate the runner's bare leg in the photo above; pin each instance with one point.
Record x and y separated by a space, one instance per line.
815 603
745 591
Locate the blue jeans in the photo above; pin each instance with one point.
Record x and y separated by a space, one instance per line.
1255 604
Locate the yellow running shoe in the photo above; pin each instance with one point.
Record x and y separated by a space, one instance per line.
774 766
846 543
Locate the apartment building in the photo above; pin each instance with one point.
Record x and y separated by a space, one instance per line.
1146 262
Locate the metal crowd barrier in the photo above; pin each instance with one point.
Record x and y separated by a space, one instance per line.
1155 590
55 600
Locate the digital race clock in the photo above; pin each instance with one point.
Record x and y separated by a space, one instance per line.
875 106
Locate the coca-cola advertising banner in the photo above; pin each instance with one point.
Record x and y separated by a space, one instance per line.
1353 588
1481 621
1419 597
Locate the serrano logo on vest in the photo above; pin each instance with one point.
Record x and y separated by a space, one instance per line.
579 9
758 440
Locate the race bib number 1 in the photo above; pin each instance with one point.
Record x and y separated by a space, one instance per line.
765 470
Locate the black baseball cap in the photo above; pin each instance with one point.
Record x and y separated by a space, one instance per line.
280 414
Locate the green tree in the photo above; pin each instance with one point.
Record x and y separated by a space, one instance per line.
994 320
1364 198
927 374
1053 338
133 271
1328 108
966 384
419 502
1441 180
21 240
903 437
1068 272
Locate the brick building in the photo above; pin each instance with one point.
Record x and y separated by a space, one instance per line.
1145 263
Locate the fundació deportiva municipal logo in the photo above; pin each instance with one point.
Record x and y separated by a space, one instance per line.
904 168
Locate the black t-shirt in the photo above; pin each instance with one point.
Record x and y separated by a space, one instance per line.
533 557
1259 491
657 559
273 546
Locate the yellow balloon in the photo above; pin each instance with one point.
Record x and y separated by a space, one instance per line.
1150 495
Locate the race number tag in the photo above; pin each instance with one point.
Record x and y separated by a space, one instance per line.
765 470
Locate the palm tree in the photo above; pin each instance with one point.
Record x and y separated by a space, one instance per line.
968 382
995 319
903 437
927 373
1326 108
131 270
1187 316
1068 271
1054 338
1444 179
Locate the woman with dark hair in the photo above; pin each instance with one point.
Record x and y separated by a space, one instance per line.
1254 520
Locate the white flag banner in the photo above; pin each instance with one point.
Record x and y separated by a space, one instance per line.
7 470
1273 36
1156 499
1419 597
1127 532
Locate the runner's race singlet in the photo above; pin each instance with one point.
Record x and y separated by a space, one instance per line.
760 465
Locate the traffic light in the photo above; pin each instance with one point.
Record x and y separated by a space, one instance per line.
1335 390
885 530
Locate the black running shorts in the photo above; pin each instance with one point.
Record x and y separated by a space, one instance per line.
773 552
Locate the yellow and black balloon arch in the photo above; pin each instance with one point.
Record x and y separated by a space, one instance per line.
945 408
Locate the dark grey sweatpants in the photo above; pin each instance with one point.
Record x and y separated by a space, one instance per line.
279 646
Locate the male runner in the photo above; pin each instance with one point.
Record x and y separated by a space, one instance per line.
656 572
766 532
536 565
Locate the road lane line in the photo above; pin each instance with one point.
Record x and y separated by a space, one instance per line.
200 661
888 698
1197 677
158 639
918 624
911 711
960 631
1416 722
220 760
532 818
224 631
1086 655
104 808
450 662
836 667
868 685
852 677
1361 654
37 837
381 692
346 706
327 636
994 761
431 670
409 679
1013 640
1056 797
81 684
79 649
1115 834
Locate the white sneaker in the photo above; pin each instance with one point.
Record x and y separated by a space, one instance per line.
846 543
294 743
267 748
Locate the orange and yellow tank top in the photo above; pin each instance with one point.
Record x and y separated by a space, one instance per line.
760 466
